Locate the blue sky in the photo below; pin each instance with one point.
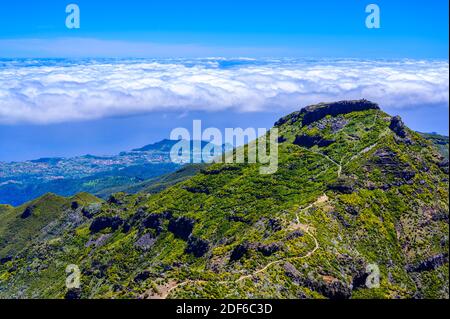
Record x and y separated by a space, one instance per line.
413 29
302 52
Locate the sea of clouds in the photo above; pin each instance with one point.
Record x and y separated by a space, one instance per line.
54 91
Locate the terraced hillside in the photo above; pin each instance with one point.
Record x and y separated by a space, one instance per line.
354 188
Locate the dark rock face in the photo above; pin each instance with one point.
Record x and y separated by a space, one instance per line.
197 190
6 259
275 225
72 294
101 223
291 271
142 276
145 242
91 210
443 165
240 251
342 185
332 290
113 199
429 264
268 250
295 234
27 212
281 139
153 221
359 280
398 127
74 205
197 246
243 249
310 141
317 112
181 227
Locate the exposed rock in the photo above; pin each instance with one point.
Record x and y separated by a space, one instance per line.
398 127
333 290
27 212
310 141
316 112
101 223
295 234
197 246
145 242
114 199
359 280
275 224
240 251
444 166
281 139
269 249
91 210
181 227
342 185
429 264
74 205
440 216
153 221
197 190
291 271
385 157
6 259
142 276
341 219
99 241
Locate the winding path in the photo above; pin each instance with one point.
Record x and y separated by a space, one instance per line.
171 286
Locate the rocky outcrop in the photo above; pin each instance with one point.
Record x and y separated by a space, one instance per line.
145 242
102 223
428 264
154 221
244 249
181 227
91 210
343 186
317 112
240 251
310 141
6 259
269 249
197 246
398 127
27 212
334 289
142 276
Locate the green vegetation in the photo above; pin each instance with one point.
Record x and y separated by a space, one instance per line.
349 192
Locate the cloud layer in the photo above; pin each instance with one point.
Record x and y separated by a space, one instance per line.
53 91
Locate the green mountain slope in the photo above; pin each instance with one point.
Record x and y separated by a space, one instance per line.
355 189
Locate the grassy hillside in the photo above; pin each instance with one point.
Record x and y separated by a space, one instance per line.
353 189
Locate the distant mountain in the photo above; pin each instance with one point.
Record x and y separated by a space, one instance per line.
23 181
357 197
441 142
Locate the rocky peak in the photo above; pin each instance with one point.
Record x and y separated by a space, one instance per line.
316 112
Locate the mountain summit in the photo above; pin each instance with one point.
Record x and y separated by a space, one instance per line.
358 208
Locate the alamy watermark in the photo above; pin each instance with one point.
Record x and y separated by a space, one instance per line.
373 19
262 146
73 16
73 279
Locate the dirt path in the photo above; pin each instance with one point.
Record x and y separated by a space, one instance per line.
165 290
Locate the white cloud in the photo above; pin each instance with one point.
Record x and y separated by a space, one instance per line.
51 91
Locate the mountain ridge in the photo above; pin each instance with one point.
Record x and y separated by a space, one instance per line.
375 194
